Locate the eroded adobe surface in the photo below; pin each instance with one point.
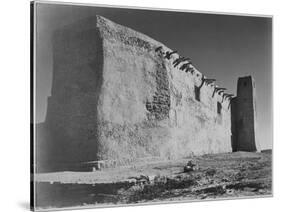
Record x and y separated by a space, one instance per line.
115 98
147 107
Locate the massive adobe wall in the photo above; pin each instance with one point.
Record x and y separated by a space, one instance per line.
115 98
71 126
147 107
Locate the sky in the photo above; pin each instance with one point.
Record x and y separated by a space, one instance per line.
223 47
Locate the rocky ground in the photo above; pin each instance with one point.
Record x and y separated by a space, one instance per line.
239 174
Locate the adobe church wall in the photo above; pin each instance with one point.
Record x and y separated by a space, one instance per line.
72 107
147 107
114 97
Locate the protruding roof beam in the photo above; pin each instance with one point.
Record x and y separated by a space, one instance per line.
158 48
178 61
169 54
229 96
189 68
218 89
203 78
209 81
230 99
224 95
192 70
185 65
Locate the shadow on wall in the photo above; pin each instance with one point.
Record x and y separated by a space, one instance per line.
69 133
233 126
243 116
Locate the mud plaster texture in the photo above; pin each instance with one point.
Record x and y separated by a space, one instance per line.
147 106
114 98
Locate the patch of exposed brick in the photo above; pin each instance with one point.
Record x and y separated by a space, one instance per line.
160 105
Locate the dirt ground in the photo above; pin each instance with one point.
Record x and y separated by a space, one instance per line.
230 175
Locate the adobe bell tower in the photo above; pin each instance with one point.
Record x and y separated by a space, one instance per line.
244 116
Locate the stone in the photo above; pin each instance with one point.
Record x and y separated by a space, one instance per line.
188 168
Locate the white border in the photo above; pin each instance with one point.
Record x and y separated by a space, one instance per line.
14 109
149 8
